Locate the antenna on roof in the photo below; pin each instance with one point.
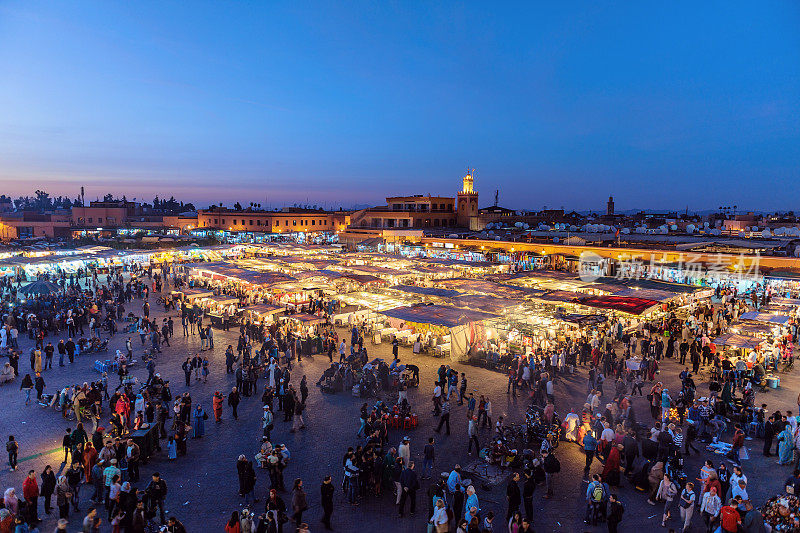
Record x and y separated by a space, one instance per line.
496 194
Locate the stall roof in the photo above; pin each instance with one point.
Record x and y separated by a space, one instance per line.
223 298
427 291
540 274
624 304
305 318
786 301
737 341
649 284
583 320
558 297
363 278
649 294
489 287
484 302
440 315
751 327
765 317
264 309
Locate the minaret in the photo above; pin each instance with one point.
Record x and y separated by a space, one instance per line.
610 206
467 215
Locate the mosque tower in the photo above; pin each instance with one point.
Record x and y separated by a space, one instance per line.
467 203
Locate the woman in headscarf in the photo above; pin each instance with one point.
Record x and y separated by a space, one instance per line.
63 496
216 403
10 500
611 469
472 501
89 459
785 445
199 424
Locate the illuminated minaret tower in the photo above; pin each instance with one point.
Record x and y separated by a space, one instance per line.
467 216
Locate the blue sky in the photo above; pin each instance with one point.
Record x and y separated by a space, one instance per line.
683 104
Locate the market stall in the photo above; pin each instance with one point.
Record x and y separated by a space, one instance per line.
432 323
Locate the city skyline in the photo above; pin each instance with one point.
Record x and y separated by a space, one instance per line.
338 107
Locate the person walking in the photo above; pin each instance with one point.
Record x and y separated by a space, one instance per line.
299 502
26 385
444 418
472 433
686 505
409 485
326 491
12 447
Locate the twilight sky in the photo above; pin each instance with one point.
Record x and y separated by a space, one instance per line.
664 105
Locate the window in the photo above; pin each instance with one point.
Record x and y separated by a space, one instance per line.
99 220
258 222
90 220
436 222
294 222
223 221
234 221
285 222
313 222
215 221
251 222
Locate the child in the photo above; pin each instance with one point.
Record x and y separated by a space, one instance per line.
117 521
172 449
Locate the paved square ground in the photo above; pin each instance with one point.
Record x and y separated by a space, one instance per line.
203 485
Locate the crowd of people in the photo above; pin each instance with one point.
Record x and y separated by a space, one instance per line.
619 358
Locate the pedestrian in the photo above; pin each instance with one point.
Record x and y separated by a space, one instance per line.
216 405
472 433
299 501
232 526
686 504
551 467
30 491
247 478
513 496
326 498
12 447
444 419
156 492
528 488
63 496
667 490
615 512
409 485
48 487
26 385
429 455
233 402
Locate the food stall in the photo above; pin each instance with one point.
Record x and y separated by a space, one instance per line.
218 307
306 328
444 329
261 313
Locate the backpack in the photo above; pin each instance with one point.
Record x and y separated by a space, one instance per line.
597 493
